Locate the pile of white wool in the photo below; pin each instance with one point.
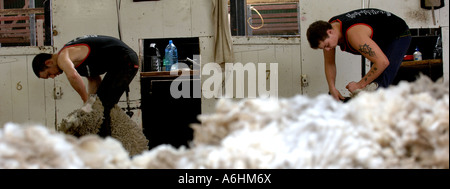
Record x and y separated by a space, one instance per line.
404 126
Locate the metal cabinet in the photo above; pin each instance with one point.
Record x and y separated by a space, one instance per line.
166 119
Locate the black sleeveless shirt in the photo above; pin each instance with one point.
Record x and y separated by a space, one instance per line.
385 26
105 53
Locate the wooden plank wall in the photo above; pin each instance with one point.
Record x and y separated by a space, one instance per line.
278 19
15 24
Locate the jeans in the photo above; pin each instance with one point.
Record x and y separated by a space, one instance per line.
395 52
114 84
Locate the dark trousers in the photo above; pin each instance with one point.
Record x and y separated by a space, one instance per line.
395 53
114 84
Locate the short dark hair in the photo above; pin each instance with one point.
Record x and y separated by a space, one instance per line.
317 32
39 63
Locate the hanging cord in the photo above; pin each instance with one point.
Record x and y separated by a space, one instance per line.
262 19
364 4
118 17
127 91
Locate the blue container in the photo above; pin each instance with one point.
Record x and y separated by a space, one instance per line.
170 56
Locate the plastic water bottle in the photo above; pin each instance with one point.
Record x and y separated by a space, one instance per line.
417 55
170 57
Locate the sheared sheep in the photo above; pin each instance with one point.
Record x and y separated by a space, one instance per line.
88 119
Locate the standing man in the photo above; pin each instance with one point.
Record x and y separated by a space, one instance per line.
378 35
91 56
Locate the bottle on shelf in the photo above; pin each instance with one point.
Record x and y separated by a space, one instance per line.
417 55
171 57
155 58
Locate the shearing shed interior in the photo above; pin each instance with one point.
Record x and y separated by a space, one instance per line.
244 89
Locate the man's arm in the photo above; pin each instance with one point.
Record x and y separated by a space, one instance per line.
330 73
66 64
359 38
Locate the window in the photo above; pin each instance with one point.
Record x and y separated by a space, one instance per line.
25 23
264 17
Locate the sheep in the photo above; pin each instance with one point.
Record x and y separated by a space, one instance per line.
88 119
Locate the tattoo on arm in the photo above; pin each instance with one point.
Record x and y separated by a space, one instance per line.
370 73
366 49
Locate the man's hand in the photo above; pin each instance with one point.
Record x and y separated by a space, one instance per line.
336 95
353 86
87 107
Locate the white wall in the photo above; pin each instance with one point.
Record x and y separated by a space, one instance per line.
280 50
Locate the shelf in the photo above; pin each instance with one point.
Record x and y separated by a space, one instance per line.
168 73
421 63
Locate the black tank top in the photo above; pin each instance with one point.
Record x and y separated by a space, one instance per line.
105 53
385 26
